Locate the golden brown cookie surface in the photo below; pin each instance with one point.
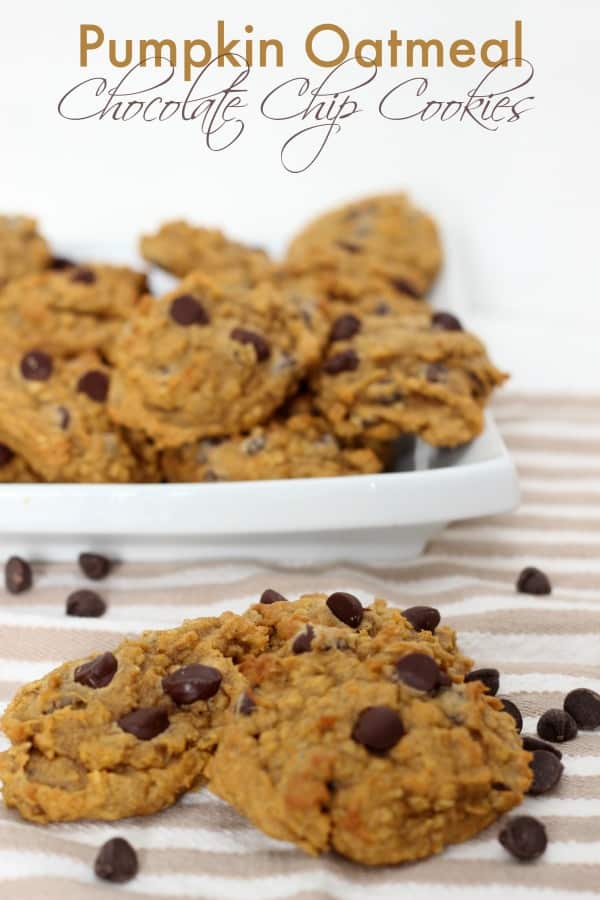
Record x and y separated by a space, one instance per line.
22 249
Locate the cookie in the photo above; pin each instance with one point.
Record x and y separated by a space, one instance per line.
377 755
22 248
71 310
207 361
382 239
13 468
53 414
301 446
389 375
124 733
181 248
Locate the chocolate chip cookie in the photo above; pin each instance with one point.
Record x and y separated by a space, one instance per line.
53 415
13 468
369 746
393 374
182 248
301 446
206 360
69 310
383 239
124 733
22 248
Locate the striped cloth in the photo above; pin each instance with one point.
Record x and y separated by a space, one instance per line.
543 646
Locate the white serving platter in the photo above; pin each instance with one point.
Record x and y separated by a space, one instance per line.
365 519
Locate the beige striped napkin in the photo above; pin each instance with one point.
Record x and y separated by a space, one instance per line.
544 646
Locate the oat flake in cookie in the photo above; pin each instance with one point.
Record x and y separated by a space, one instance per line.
219 362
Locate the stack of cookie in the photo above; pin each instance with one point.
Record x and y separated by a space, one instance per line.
327 723
248 369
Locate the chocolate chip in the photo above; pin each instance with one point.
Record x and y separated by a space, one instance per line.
422 618
83 276
245 704
6 455
64 417
348 246
436 372
382 309
532 743
36 366
271 596
94 565
489 677
378 728
500 786
405 287
304 640
95 384
533 581
145 723
446 322
524 837
346 607
344 328
261 345
547 771
116 861
557 725
344 361
419 671
87 604
584 706
513 710
191 683
186 310
60 263
98 672
17 575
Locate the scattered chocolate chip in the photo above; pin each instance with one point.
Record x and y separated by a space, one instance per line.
584 706
436 372
83 276
346 607
547 771
489 677
145 723
36 366
245 705
64 417
513 710
98 672
344 361
446 322
6 455
186 310
17 575
344 327
533 581
524 837
378 728
261 345
60 263
271 596
116 861
405 287
304 640
94 384
419 671
191 683
557 725
94 565
422 618
348 246
532 743
87 604
500 786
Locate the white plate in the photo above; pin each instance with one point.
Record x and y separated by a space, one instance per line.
361 518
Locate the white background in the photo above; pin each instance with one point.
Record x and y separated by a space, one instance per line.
518 208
